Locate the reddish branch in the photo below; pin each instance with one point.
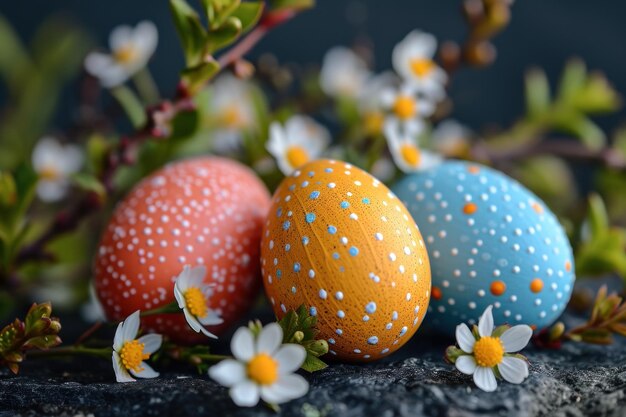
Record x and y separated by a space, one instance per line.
125 151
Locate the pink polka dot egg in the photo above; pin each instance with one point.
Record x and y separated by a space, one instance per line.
491 242
338 241
204 211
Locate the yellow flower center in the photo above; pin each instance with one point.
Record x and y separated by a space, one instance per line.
132 355
404 107
125 54
231 116
422 66
195 302
373 122
297 156
488 351
263 369
49 173
411 154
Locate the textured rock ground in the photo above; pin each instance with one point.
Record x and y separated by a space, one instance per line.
575 381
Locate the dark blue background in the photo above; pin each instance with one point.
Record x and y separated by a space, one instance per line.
542 33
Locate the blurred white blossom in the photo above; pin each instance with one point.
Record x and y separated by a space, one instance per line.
233 111
451 138
131 48
407 154
299 141
370 104
55 163
413 60
343 73
406 110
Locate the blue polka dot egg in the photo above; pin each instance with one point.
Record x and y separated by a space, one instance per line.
338 241
490 242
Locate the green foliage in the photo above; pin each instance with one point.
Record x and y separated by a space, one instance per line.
608 318
299 327
603 248
227 20
38 331
34 79
291 4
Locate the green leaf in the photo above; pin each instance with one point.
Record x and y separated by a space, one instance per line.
249 13
313 363
597 217
291 4
226 34
586 130
537 91
197 76
218 11
190 31
572 79
8 189
130 103
185 125
14 59
90 183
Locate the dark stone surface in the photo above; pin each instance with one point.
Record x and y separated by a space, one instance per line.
578 380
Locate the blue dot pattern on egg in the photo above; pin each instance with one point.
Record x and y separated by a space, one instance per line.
490 242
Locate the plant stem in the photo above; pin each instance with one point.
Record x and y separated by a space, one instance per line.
171 308
104 353
146 86
131 105
243 47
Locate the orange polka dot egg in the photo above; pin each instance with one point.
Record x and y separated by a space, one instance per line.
203 211
491 242
337 240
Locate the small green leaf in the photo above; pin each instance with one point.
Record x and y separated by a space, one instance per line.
185 125
249 13
291 4
572 79
196 77
90 183
598 218
223 36
8 189
537 92
313 363
218 11
190 31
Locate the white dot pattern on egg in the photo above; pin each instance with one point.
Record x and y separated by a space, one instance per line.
202 211
338 241
491 242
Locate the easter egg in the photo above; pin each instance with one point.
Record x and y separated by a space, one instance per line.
491 242
339 242
204 211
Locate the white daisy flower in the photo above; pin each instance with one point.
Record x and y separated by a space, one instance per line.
405 108
407 154
233 112
489 352
130 353
370 104
413 60
263 368
55 163
299 141
451 138
131 48
191 294
343 72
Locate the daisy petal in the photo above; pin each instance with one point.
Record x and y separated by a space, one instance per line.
192 321
121 374
514 370
485 379
516 338
146 372
288 387
465 338
269 339
178 294
228 372
485 324
466 364
212 318
131 326
242 344
245 394
152 342
289 357
118 340
207 333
